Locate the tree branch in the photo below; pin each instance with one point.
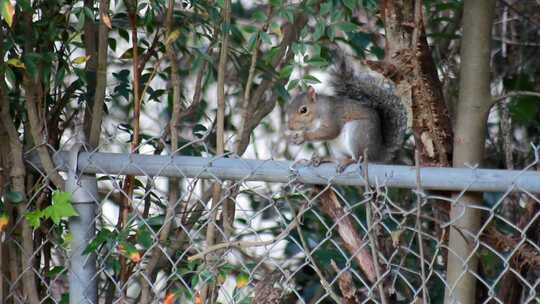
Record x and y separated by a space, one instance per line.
37 136
17 175
260 106
511 94
101 75
174 191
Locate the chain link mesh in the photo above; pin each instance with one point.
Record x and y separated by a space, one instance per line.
187 240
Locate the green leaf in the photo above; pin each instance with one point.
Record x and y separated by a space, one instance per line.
81 59
10 77
31 62
350 4
64 299
112 44
173 36
289 15
16 62
319 30
81 75
252 42
128 247
242 279
266 38
61 207
326 256
269 56
293 84
34 218
250 29
155 221
7 11
61 197
310 79
80 24
286 71
276 3
144 238
299 48
88 13
124 34
25 5
347 26
331 32
325 8
317 62
316 50
282 93
447 6
55 271
524 109
360 40
199 130
101 238
259 16
336 16
377 51
15 197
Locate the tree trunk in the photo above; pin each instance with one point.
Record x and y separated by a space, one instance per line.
408 62
472 109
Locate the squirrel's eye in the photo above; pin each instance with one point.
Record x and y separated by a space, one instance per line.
303 110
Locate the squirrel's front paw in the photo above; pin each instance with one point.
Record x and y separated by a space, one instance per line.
297 137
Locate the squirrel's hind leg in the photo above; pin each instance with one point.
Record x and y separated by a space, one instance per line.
344 163
362 135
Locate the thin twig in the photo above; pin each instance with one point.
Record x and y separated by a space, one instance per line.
220 135
174 191
506 130
37 135
101 75
220 127
198 91
243 244
419 224
515 94
129 182
261 105
249 83
150 51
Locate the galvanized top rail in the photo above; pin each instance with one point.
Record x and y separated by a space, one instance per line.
456 179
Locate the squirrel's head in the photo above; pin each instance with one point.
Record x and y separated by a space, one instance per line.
302 111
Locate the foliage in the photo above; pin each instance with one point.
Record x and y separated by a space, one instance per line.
50 63
59 209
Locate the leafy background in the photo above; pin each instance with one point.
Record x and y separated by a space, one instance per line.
276 48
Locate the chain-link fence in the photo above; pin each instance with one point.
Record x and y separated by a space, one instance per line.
155 228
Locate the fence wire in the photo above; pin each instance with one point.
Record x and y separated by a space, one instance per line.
185 234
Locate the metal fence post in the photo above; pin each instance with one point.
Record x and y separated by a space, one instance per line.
82 269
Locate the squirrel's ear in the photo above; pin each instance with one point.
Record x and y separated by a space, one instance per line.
312 95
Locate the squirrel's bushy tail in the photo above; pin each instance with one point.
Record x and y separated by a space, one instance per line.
368 92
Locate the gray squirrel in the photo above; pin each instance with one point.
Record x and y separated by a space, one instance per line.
360 115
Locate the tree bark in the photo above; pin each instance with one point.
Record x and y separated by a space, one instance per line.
94 126
408 62
90 49
472 109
